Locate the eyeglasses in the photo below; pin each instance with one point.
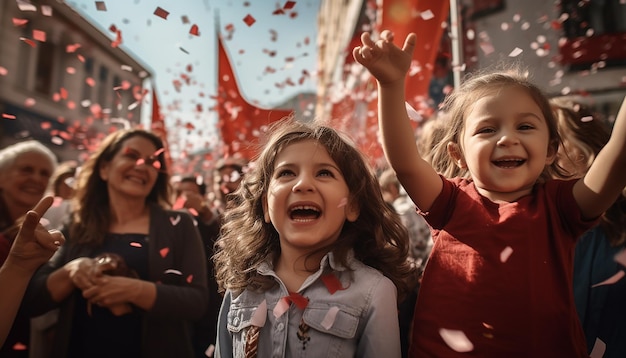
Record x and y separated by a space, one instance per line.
152 160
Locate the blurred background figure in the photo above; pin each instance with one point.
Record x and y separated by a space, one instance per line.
62 188
227 176
25 171
191 194
131 278
601 307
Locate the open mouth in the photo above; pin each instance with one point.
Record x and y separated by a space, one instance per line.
304 213
509 163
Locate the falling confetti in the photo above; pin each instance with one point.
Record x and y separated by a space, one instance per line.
457 340
611 280
249 20
194 30
289 5
101 6
161 13
39 35
164 251
46 10
175 220
427 15
516 52
329 318
586 119
598 349
504 255
8 116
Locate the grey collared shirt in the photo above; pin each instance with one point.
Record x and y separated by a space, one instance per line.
360 320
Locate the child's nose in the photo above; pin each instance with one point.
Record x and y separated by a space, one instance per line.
507 138
304 183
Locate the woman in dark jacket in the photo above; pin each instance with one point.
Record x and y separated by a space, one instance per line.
131 277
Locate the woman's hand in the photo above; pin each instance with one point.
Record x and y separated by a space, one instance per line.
111 291
82 272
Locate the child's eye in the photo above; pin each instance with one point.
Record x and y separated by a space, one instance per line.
526 127
326 172
485 130
284 172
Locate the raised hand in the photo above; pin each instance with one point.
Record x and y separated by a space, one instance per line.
383 59
34 245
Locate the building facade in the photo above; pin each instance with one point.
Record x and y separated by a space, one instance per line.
63 81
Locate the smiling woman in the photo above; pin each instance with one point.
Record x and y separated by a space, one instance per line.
121 194
25 169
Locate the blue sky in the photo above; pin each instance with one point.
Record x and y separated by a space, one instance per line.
167 48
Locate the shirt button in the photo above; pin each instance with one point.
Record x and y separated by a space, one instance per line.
280 326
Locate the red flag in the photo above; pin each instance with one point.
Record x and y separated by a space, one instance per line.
357 113
157 126
240 122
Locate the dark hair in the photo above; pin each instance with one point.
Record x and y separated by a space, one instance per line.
192 179
377 237
91 218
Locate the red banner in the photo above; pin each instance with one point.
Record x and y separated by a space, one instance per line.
239 122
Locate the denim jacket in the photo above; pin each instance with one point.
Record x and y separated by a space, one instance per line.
359 320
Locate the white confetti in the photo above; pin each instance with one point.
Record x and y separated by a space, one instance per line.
620 257
586 119
260 315
281 307
330 317
175 220
46 10
412 113
457 340
611 280
26 6
174 272
516 52
343 202
210 350
427 15
598 349
504 255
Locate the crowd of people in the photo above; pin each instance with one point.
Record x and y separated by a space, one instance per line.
498 231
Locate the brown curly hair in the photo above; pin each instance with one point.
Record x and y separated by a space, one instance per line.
377 237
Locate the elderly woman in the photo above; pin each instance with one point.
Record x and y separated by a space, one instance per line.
132 275
25 170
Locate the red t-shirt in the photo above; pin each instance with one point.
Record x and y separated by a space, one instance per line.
501 274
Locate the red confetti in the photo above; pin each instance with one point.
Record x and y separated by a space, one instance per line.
278 12
135 244
332 283
72 48
39 35
164 251
179 204
300 301
289 5
28 41
194 30
189 278
101 6
249 20
90 81
19 22
8 116
161 13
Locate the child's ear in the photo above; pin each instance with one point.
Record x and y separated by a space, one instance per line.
352 211
266 213
553 149
455 153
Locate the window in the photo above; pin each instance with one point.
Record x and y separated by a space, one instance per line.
45 65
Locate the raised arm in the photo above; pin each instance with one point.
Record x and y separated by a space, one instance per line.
389 65
606 177
32 247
